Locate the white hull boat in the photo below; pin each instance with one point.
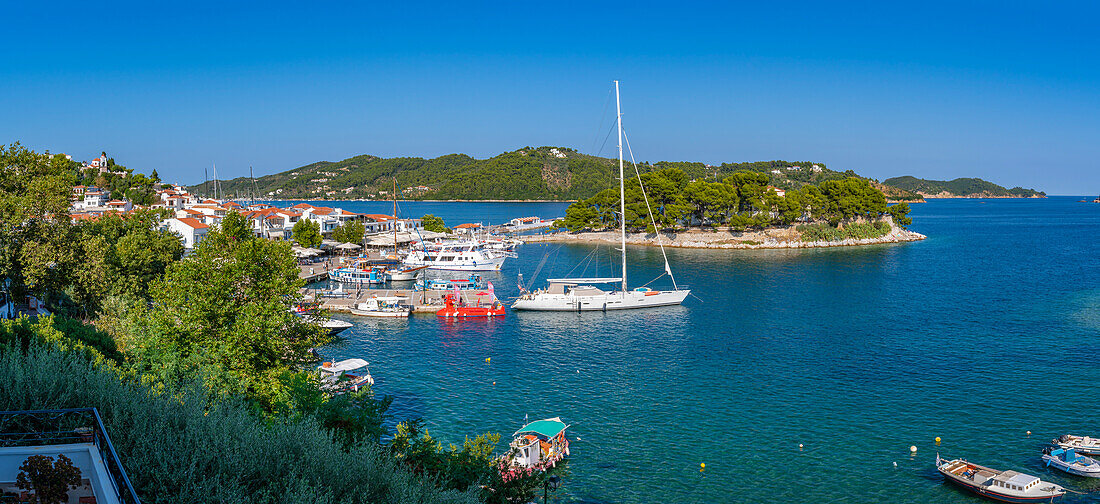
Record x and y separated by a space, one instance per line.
404 274
579 294
1081 444
1068 461
382 307
569 295
457 258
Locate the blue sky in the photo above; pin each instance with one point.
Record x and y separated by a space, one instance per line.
1001 90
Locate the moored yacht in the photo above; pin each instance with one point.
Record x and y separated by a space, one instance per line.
458 256
579 294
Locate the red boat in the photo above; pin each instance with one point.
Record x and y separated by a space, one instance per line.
463 311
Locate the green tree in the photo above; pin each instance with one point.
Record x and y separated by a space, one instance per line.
306 233
50 480
223 315
900 214
349 232
435 224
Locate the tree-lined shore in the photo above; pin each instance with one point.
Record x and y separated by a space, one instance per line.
198 366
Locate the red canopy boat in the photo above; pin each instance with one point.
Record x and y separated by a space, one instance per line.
451 310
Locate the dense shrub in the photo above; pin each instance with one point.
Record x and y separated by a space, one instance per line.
856 231
176 447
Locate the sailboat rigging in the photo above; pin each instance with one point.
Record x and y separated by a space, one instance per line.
580 294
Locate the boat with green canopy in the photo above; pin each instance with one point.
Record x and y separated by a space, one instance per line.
538 446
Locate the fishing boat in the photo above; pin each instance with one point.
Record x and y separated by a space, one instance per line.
1081 444
454 307
382 307
404 274
358 272
458 256
538 446
1067 460
581 294
1004 486
344 376
473 282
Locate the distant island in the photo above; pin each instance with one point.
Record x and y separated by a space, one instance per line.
958 188
527 174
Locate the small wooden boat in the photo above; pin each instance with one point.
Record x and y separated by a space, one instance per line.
537 446
1067 460
344 376
453 310
1081 444
382 307
1004 486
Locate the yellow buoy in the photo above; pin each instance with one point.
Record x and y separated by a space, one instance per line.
494 383
487 359
913 449
702 465
937 440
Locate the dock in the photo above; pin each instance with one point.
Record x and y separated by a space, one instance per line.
421 301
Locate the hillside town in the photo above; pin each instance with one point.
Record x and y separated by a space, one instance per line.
194 215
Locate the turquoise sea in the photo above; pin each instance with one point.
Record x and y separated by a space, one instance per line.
984 331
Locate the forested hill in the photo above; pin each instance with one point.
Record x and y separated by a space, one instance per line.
543 173
960 188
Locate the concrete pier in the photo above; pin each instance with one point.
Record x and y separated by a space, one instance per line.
421 301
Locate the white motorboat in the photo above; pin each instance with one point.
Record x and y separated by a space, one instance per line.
404 274
1067 460
344 376
334 326
457 256
1084 445
382 307
580 294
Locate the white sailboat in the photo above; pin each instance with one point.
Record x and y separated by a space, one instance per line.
581 294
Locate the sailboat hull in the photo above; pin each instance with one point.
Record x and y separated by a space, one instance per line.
607 301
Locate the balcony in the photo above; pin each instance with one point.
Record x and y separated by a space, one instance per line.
76 433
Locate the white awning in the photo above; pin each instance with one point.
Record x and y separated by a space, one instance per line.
347 246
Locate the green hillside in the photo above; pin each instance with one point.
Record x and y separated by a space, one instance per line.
960 187
543 173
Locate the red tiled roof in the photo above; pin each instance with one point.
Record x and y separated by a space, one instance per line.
302 206
379 217
467 226
194 223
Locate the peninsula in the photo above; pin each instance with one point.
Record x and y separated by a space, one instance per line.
958 188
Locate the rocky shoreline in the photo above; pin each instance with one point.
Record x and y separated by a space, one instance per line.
773 238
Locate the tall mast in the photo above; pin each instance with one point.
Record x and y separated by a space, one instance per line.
395 216
253 184
216 175
622 183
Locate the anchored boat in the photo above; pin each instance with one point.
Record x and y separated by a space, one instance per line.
1067 460
1081 444
455 308
538 446
1004 486
382 307
458 256
580 294
344 376
358 272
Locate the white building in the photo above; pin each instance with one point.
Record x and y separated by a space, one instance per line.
191 230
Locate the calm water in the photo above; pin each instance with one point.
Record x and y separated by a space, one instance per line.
986 330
